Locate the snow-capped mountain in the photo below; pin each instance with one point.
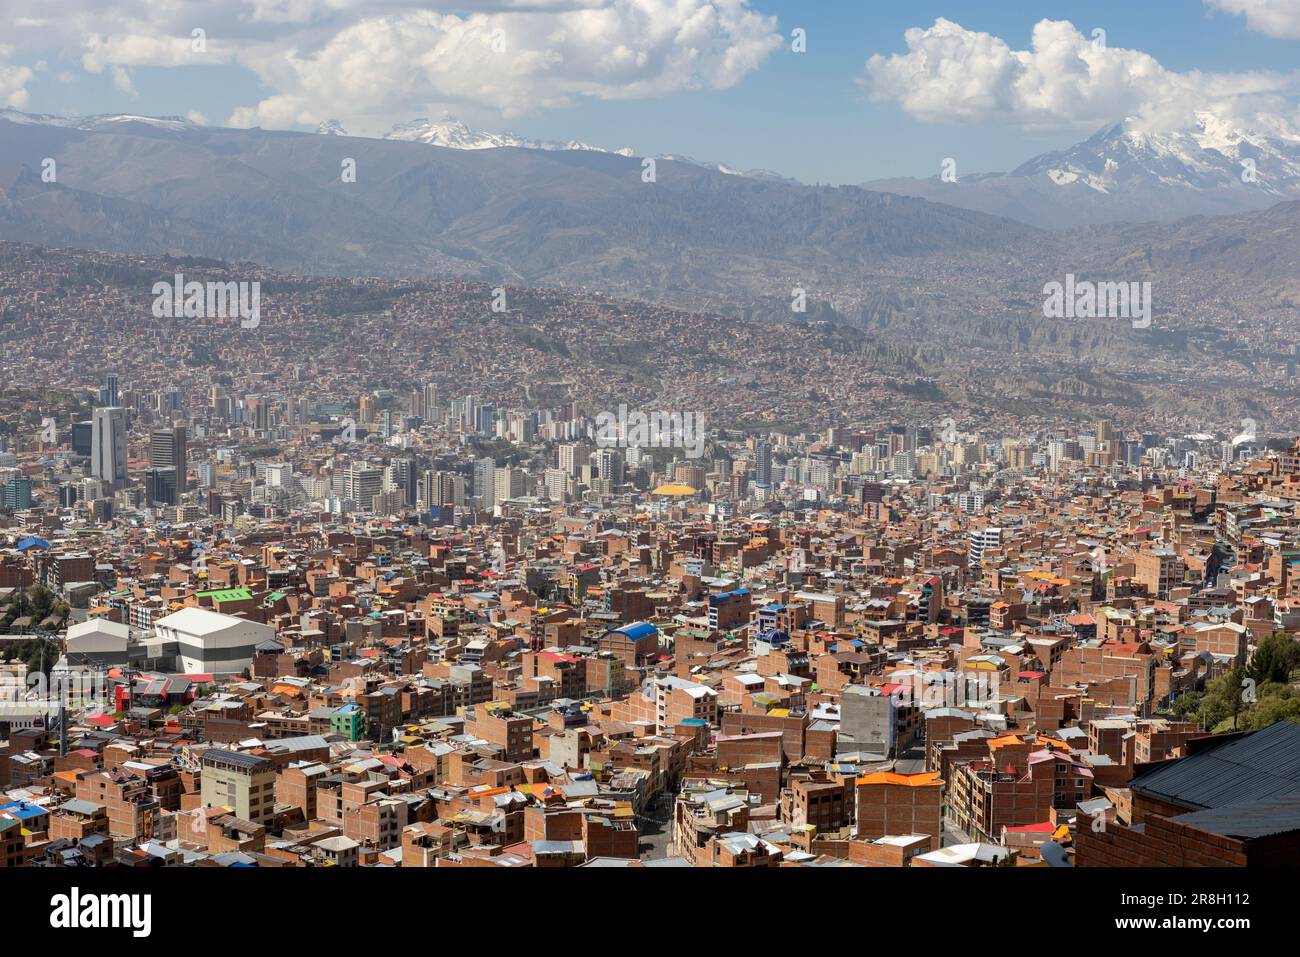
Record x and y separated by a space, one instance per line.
1211 155
1127 173
101 123
454 134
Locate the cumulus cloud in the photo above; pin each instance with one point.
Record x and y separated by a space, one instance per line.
513 62
1065 80
307 11
370 61
1277 18
122 80
105 52
13 81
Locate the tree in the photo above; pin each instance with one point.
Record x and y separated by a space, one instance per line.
1186 705
1274 659
1277 702
1222 699
40 602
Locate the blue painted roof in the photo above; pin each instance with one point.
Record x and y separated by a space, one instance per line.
637 630
22 810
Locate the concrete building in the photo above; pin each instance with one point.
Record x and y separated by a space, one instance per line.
245 783
208 642
167 449
108 446
98 642
510 483
876 723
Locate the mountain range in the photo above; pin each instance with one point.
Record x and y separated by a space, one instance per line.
518 215
1124 173
692 236
455 135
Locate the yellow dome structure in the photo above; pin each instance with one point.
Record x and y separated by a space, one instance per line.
674 491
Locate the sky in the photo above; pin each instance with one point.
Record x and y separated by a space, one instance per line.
881 89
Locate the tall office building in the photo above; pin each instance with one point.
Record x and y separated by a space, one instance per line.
82 433
763 462
609 465
573 456
160 487
257 410
442 488
167 449
468 407
485 481
362 483
510 483
108 395
406 479
108 446
557 485
17 493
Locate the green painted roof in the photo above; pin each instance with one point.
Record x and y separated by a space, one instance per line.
227 594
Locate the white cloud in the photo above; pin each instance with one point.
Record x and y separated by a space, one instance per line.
1277 18
371 61
101 52
307 11
1065 80
513 63
13 81
122 80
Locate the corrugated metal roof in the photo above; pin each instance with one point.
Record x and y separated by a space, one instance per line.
1260 765
1253 819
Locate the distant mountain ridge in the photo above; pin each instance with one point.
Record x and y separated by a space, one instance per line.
453 134
98 122
1124 173
523 216
694 237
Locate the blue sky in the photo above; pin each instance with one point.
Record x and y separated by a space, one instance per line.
809 115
